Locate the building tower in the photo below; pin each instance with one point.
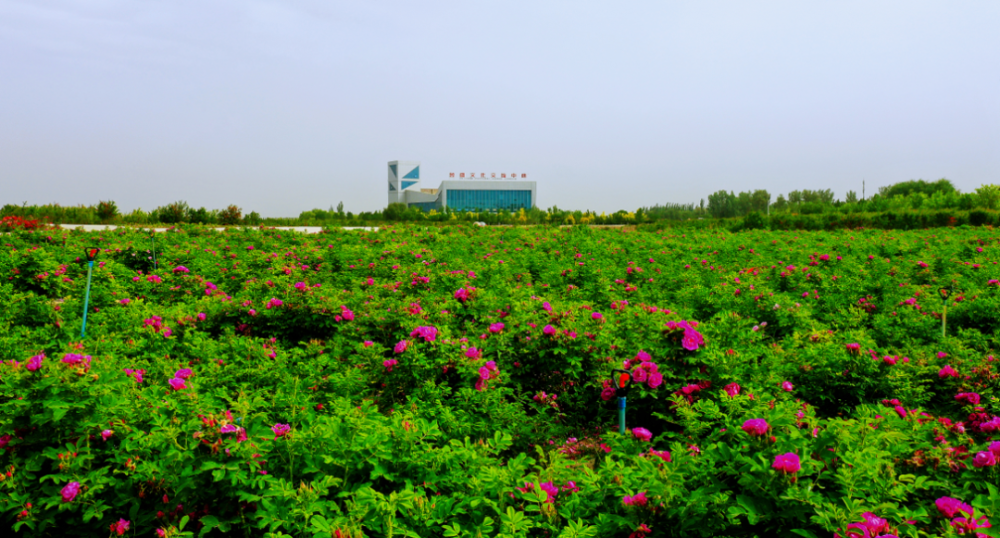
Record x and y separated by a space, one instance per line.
403 175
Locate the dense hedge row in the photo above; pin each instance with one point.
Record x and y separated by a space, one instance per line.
456 381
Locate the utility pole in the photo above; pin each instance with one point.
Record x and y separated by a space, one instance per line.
862 189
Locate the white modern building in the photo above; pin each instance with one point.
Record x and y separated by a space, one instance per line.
488 192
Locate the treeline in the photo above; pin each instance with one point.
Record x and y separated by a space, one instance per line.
909 219
917 194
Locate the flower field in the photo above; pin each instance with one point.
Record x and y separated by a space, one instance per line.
459 381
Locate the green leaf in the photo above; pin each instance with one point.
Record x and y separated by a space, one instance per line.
183 523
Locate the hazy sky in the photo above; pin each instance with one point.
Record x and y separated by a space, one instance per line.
281 107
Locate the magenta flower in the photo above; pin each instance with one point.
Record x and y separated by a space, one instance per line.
970 398
496 327
995 448
642 434
947 371
639 375
227 428
642 356
546 306
639 499
389 364
608 393
549 330
756 427
787 386
5 439
184 373
280 430
69 491
181 269
346 313
125 301
34 363
984 459
120 527
596 316
368 343
400 347
732 389
177 384
787 463
663 455
273 303
462 295
655 380
201 316
106 433
949 506
473 353
551 490
941 354
900 411
429 334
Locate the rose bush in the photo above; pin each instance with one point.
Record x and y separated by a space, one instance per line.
457 381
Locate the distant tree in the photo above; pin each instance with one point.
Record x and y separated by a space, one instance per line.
906 188
721 204
795 197
107 211
231 215
851 198
759 200
340 209
780 203
988 196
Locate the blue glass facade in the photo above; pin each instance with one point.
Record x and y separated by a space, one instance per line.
487 200
406 184
414 174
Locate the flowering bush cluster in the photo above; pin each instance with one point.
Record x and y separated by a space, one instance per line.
459 381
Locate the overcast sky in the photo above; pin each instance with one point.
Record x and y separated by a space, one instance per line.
281 107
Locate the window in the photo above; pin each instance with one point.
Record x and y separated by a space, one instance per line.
488 200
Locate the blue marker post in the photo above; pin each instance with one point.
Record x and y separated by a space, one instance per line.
91 254
622 385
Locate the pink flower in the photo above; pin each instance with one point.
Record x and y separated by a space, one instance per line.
941 354
549 330
787 463
252 312
970 398
639 375
607 393
346 313
227 428
596 316
655 380
473 353
663 455
125 301
642 356
787 386
184 373
389 363
755 426
900 411
106 433
120 527
400 347
550 489
273 303
181 269
995 448
34 363
280 430
732 389
69 491
949 506
4 439
947 371
639 499
429 334
642 434
177 384
462 295
984 459
201 316
496 327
